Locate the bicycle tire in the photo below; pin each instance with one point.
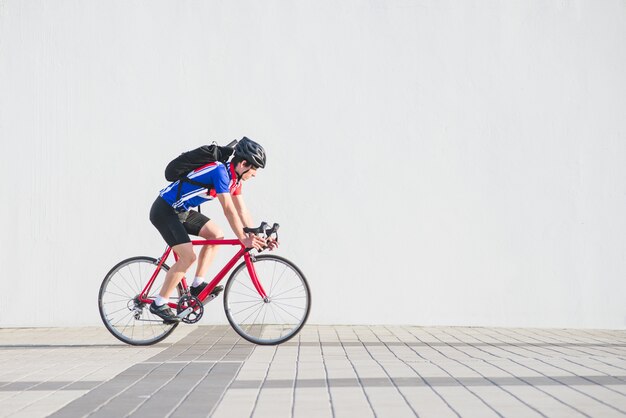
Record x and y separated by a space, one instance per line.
113 311
242 302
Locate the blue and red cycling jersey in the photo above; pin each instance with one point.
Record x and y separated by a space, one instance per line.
219 177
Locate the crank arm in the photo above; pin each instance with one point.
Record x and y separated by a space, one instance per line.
185 312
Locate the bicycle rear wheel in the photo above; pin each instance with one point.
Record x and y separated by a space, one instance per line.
279 317
128 319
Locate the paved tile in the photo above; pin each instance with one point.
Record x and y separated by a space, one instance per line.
326 371
43 369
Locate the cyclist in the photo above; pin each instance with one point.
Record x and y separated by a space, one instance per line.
171 214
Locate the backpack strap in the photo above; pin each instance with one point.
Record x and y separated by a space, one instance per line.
195 183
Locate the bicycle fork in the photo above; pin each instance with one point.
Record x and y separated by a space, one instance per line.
255 280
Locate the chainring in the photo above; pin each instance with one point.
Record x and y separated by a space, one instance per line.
189 301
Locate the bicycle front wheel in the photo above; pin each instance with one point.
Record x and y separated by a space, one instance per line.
128 319
281 315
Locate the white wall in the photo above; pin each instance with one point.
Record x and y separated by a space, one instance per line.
431 162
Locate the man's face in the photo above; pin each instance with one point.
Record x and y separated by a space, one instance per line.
248 171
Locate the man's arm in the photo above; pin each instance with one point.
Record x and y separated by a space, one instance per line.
242 210
230 211
244 214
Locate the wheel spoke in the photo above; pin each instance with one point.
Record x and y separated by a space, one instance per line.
246 294
115 301
122 296
254 291
286 304
280 278
253 312
294 297
125 279
249 307
116 311
299 285
288 313
121 290
245 301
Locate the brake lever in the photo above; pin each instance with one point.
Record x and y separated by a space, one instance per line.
272 230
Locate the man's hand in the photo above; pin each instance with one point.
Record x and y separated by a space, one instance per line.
272 243
252 241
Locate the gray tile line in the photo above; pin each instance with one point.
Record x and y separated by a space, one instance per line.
487 378
356 373
50 366
376 382
527 344
584 334
530 383
229 385
23 368
191 361
186 396
609 334
156 366
577 390
539 340
573 349
258 395
189 344
64 386
48 380
295 378
116 395
226 388
432 345
458 381
436 344
135 383
561 383
386 372
419 374
582 377
591 341
190 391
593 357
132 411
34 385
605 346
545 343
330 397
475 346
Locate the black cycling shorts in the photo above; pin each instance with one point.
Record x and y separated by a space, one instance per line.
173 226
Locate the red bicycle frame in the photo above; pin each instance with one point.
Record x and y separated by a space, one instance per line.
143 297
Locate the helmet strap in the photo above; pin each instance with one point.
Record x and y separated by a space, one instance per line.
239 176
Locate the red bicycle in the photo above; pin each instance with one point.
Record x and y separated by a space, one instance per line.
266 299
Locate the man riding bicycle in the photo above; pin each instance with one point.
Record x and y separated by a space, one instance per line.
171 214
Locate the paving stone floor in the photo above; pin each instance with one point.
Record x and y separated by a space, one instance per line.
326 371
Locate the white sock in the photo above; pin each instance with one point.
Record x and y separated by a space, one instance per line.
160 300
197 281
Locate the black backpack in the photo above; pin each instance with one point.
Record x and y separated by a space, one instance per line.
188 161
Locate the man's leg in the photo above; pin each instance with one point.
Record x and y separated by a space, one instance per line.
210 230
159 307
186 258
